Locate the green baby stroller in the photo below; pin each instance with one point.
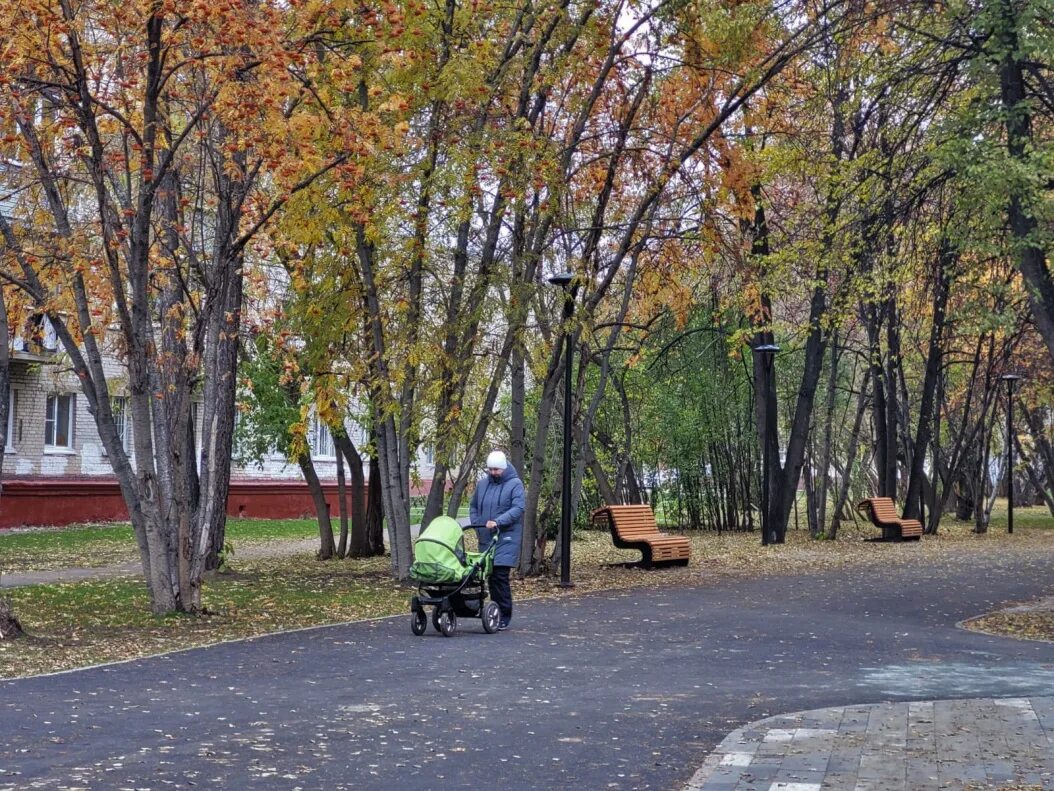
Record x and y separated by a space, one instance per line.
450 579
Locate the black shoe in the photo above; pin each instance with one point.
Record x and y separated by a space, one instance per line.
503 625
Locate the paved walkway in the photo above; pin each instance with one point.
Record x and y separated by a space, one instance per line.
623 690
922 746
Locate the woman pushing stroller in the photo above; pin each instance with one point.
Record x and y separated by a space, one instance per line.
498 503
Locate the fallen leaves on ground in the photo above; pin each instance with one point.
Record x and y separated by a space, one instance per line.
83 623
741 554
83 546
1033 624
98 546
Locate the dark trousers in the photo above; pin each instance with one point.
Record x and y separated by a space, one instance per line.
500 590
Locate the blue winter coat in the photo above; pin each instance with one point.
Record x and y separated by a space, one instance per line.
502 501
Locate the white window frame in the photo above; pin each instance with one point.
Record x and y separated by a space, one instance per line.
51 419
49 336
9 446
119 409
321 440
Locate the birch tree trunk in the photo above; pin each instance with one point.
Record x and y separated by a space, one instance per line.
327 548
360 545
10 627
342 502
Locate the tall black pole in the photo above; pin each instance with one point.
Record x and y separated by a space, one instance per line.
1009 459
1011 380
565 505
767 353
765 461
564 281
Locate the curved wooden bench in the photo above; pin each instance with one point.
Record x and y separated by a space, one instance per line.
883 514
633 527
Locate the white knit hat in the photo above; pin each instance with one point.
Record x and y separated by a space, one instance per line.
496 460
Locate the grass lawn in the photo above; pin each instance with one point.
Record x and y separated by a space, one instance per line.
76 624
418 511
91 546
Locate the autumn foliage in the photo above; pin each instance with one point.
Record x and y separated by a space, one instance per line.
380 190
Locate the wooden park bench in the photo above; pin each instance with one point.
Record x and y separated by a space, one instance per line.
883 514
633 527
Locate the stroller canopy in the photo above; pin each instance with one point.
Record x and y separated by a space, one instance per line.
439 552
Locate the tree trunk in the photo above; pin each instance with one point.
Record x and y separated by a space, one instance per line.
1017 112
361 545
850 458
1041 483
607 493
1043 449
218 407
812 506
395 493
342 502
828 435
436 492
892 360
532 547
10 628
518 438
327 548
946 258
1042 493
980 490
787 476
374 511
9 625
390 439
878 402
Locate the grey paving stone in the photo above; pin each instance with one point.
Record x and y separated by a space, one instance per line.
721 784
842 763
834 781
951 745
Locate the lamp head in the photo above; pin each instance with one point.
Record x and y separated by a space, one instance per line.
766 348
563 279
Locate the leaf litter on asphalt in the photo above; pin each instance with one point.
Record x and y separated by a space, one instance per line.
90 622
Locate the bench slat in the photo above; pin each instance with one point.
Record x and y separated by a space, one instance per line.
635 525
882 513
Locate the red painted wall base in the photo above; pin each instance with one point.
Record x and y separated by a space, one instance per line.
62 501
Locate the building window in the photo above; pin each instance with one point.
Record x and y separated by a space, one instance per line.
58 421
50 337
119 408
321 440
10 442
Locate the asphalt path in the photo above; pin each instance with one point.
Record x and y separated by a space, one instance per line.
628 690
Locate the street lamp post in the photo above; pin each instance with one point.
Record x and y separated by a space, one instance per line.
564 280
767 352
1011 380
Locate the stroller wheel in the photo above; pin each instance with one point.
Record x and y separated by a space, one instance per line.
447 623
435 619
418 622
491 617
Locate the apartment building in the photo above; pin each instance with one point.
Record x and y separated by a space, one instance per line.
56 471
